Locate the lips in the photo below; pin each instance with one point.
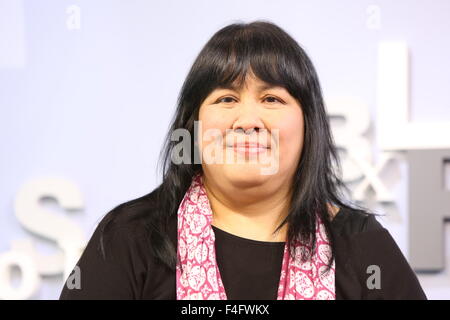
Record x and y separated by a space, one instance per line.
250 145
249 148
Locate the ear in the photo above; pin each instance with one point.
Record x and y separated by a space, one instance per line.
333 210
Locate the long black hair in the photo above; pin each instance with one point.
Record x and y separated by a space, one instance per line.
276 58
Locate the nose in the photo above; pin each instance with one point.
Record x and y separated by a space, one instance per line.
248 119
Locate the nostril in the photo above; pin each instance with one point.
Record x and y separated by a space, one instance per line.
250 131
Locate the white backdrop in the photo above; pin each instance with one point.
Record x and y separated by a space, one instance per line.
87 90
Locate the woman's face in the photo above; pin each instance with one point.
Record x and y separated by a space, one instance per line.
254 114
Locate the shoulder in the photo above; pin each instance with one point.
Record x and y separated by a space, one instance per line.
139 222
363 243
350 221
133 215
115 261
125 224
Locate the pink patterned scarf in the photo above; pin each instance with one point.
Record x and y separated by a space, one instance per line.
197 273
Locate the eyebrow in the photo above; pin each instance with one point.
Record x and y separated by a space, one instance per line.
260 87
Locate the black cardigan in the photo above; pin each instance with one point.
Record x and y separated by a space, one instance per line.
129 271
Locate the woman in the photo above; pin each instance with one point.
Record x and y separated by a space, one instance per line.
261 215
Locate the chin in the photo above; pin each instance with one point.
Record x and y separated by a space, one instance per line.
245 174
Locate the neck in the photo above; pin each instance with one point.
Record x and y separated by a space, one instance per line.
253 213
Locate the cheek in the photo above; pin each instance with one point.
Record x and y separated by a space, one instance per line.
291 137
211 124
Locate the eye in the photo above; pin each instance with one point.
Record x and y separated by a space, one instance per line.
223 99
273 99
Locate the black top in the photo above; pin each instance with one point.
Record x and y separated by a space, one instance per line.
249 269
129 271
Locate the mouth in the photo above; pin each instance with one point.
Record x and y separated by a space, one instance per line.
248 148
